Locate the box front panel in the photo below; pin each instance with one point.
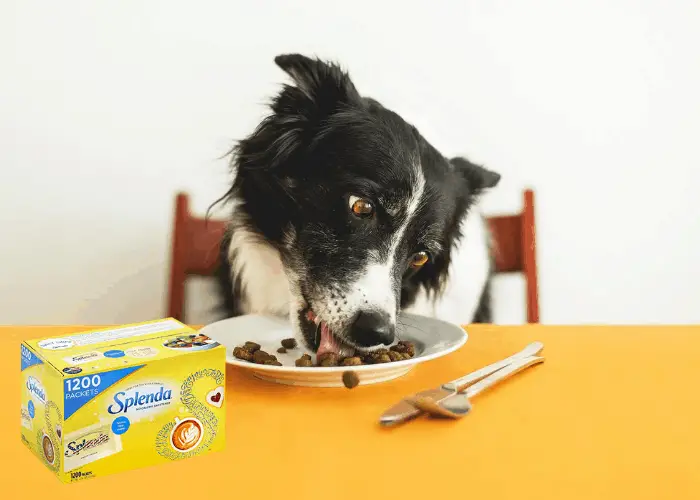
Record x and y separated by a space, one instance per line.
151 413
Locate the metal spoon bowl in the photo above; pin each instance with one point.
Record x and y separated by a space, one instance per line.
459 405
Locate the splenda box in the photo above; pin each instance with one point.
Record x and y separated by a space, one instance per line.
112 399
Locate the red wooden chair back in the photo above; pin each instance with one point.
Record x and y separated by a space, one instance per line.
194 252
515 249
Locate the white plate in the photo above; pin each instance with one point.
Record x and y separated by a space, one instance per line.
432 339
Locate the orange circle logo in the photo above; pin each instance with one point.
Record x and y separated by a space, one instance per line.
186 434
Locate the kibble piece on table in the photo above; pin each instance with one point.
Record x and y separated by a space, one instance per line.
350 379
289 343
281 350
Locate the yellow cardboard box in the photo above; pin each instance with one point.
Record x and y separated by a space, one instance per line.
113 399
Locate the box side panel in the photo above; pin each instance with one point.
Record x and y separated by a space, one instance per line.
41 411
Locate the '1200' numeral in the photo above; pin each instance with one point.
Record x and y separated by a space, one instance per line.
76 384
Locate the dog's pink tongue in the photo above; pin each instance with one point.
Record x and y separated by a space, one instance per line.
328 343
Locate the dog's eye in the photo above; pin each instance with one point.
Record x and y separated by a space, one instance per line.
361 207
419 259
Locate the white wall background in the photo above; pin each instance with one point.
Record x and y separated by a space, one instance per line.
108 108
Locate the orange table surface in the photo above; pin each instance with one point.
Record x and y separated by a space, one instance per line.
614 413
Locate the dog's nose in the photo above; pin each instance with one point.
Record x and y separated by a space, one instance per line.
372 328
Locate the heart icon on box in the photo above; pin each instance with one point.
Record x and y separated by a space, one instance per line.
216 397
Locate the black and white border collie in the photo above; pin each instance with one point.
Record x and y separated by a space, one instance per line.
343 214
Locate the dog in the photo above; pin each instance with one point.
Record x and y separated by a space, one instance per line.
343 215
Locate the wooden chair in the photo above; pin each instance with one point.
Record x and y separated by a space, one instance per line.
194 252
515 249
196 241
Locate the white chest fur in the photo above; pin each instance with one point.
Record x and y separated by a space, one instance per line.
263 282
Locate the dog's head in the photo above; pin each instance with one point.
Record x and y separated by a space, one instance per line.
363 210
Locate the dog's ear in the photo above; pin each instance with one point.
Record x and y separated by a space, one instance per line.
326 85
299 112
478 178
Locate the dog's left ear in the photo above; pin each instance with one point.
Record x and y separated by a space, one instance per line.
299 111
478 177
325 84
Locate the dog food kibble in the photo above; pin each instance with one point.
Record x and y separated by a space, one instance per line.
384 358
251 346
304 361
328 359
261 356
395 356
251 351
354 361
289 343
350 379
243 354
402 350
374 357
405 347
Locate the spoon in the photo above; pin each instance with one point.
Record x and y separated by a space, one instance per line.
403 411
458 405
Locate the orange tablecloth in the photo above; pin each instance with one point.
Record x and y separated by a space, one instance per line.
614 413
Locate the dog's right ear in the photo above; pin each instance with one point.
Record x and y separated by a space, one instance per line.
325 86
478 178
